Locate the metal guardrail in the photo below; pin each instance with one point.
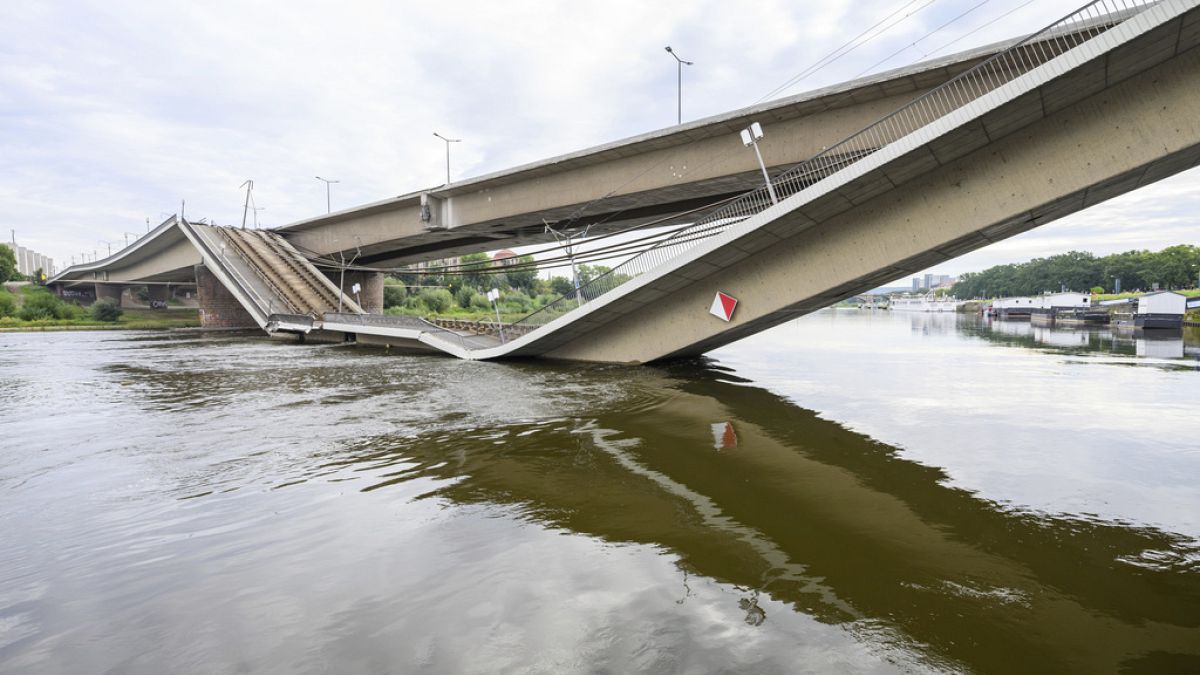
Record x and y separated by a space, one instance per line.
399 321
1032 52
265 307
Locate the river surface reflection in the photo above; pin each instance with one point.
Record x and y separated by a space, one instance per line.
851 492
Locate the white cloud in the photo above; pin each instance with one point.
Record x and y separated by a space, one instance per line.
112 112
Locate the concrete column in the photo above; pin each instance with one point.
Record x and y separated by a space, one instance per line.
371 295
110 292
218 307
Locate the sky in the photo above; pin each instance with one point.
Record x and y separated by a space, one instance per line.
113 112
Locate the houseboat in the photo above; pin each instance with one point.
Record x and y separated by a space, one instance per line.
1161 310
1013 308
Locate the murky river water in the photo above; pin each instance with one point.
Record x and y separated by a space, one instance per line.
851 492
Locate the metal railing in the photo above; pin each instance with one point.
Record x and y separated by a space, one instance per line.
1032 52
265 306
368 321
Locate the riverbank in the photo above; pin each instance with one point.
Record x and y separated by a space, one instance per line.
131 319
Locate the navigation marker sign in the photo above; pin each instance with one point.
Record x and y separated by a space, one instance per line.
722 306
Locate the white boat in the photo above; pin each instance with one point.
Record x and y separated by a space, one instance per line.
924 303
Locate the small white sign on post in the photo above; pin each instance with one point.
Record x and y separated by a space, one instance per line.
494 296
355 289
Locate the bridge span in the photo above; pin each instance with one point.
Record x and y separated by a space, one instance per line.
1014 136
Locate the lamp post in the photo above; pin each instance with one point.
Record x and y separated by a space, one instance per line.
680 63
327 182
751 135
448 142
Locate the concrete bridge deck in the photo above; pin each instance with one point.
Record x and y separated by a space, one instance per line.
1092 107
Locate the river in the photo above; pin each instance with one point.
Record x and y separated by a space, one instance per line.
850 492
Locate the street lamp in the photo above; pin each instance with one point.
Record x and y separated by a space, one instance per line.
680 63
448 142
327 182
751 135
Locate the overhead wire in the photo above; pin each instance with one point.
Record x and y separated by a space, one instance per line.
923 37
661 236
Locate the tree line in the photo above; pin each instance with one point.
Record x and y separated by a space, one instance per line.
1171 268
463 290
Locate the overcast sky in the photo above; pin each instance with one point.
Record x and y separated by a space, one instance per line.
112 112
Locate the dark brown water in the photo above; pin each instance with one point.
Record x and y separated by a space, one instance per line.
847 493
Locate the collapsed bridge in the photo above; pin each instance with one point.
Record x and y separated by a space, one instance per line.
868 181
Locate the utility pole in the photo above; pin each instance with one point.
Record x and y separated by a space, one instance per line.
249 185
679 99
448 142
327 182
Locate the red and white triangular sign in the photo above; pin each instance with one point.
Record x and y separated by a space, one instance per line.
722 306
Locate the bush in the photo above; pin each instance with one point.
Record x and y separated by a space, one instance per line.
393 295
463 297
42 306
1097 290
436 300
8 304
480 301
106 310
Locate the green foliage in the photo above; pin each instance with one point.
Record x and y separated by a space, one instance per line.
473 266
561 286
1172 267
479 301
43 306
393 293
106 310
1097 290
463 296
436 300
8 264
523 279
8 304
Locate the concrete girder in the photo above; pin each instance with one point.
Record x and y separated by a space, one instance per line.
1051 165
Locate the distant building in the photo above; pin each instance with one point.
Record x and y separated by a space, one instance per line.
505 257
30 261
931 281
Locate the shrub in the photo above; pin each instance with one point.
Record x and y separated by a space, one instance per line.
1097 290
480 301
42 306
106 310
8 304
463 297
436 300
393 294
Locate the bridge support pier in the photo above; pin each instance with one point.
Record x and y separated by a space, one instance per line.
371 295
218 307
110 292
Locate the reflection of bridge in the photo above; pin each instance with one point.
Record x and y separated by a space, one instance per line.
836 524
1010 138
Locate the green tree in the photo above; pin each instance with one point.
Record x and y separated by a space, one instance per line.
474 267
561 286
8 264
525 278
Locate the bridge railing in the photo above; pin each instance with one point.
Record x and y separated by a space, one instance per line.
1035 50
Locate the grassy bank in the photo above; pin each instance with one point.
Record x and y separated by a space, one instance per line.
33 308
